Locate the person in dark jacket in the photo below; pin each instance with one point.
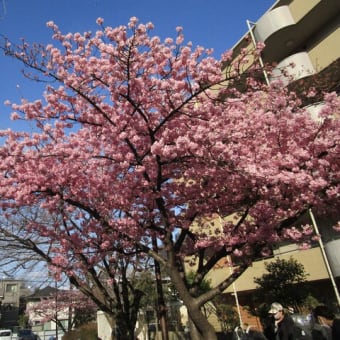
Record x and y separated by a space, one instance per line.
326 325
336 329
282 326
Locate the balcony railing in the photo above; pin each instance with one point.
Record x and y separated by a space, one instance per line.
314 110
272 22
292 68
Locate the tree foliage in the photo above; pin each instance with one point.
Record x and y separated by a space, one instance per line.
227 316
137 138
285 282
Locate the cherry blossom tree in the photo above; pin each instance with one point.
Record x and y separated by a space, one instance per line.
114 285
63 304
138 142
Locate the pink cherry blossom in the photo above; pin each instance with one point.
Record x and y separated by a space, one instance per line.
100 21
137 140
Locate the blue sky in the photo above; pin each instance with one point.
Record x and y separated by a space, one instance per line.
216 24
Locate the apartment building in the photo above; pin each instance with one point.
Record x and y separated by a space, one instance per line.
301 37
9 302
302 33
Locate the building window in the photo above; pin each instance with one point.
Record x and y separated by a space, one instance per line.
11 288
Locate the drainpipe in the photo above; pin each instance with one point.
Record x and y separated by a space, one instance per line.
235 292
230 264
251 33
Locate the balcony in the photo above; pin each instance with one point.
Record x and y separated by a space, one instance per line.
292 68
314 110
273 21
288 29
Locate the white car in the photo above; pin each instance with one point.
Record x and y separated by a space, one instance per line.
5 334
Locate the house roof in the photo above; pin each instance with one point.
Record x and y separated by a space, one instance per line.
42 293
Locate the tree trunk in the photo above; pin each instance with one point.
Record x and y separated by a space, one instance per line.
194 333
123 329
200 328
161 307
120 328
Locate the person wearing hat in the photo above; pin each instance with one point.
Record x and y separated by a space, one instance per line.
282 326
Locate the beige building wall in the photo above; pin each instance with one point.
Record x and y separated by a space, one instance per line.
311 259
300 8
326 50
